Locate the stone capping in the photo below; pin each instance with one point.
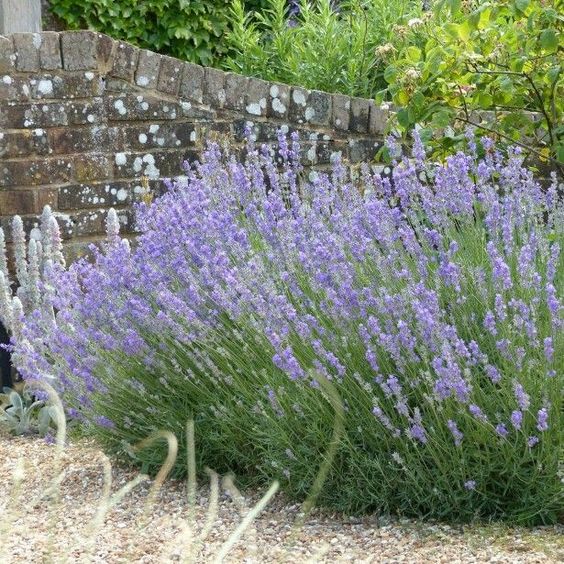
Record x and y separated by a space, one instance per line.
91 51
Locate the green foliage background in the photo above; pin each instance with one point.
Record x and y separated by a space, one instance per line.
187 29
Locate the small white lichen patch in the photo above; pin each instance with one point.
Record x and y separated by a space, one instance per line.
142 138
90 118
311 153
299 97
45 87
36 40
274 90
144 106
193 136
153 128
142 81
137 164
278 106
7 79
185 106
121 195
255 108
152 172
149 159
89 75
121 159
120 107
38 132
309 113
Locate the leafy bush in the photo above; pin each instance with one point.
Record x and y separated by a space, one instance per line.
504 57
411 334
186 29
315 45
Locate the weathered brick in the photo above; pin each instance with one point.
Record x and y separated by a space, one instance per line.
33 115
118 86
16 144
169 76
99 194
50 51
299 112
140 107
78 140
14 88
23 143
33 172
85 113
147 73
125 61
192 84
26 46
7 55
378 120
278 100
79 50
235 91
92 222
362 150
16 202
360 110
153 164
214 87
69 85
106 48
341 112
257 96
92 166
318 110
46 197
157 136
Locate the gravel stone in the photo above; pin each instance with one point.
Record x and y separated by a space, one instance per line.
33 528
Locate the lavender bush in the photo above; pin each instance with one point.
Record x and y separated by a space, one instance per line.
431 304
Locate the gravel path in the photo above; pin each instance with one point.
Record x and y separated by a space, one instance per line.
27 524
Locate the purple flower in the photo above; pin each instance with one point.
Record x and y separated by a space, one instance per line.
532 441
542 419
548 349
501 430
522 398
517 419
470 485
453 428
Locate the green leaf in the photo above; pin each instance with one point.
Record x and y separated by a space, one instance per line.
521 5
414 54
560 153
549 40
403 118
390 74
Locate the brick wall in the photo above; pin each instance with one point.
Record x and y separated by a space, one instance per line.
83 117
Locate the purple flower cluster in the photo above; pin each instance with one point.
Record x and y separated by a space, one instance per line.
442 300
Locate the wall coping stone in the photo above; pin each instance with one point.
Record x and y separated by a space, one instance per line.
143 69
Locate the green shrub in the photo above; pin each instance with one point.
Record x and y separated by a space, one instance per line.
502 56
186 29
321 48
415 333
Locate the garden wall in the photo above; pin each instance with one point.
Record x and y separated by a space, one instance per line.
84 117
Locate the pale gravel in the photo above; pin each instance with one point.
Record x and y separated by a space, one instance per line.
123 539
